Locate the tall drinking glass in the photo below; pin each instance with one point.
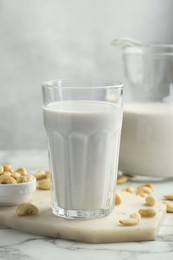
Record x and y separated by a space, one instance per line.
83 122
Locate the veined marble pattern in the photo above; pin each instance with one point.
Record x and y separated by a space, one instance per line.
21 246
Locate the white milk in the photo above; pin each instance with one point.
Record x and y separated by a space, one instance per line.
84 145
147 139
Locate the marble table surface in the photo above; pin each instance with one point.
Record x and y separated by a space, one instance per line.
18 245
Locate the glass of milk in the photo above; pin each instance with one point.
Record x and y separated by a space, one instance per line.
147 132
83 122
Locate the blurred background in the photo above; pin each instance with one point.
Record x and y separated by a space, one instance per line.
43 40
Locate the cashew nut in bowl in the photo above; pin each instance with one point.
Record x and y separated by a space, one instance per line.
1 169
8 167
20 175
24 178
21 171
5 173
7 180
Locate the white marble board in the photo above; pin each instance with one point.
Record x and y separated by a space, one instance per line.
102 230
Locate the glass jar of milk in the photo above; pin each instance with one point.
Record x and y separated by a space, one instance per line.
147 132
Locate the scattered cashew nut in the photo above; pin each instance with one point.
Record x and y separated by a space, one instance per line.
122 179
26 209
135 215
149 185
150 200
44 184
118 199
143 191
169 197
169 206
41 175
129 189
147 212
132 220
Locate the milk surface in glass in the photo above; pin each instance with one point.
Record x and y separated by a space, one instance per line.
83 139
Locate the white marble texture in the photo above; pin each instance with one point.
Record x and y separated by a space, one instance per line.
18 245
42 40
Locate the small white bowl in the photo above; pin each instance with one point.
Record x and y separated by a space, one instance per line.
13 194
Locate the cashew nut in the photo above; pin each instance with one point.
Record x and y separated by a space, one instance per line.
169 197
18 176
44 184
150 200
129 189
1 169
41 175
21 171
25 209
147 212
8 167
149 185
5 173
24 178
28 178
122 179
47 175
132 220
169 206
118 199
135 215
15 175
143 191
7 180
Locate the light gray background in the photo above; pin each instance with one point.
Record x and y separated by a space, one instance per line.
48 39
